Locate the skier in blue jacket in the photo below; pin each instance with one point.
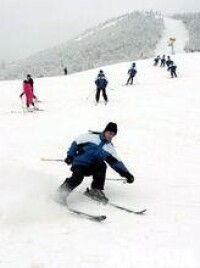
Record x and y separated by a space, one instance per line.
132 73
87 155
101 84
172 69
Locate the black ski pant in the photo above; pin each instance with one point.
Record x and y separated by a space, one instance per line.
97 171
173 74
130 80
99 90
162 64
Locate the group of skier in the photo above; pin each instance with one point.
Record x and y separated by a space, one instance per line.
101 83
169 63
89 153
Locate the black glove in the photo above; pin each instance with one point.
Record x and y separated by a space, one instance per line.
68 160
129 178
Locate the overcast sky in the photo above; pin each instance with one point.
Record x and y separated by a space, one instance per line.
27 26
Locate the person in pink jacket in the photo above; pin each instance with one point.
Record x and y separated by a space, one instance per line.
31 82
27 90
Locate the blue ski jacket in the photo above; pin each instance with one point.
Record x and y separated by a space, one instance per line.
101 82
132 71
92 147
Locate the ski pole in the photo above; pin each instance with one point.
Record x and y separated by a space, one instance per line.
90 94
52 159
124 181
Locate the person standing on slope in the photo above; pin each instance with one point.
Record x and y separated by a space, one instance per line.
132 73
87 155
163 61
172 69
156 60
65 71
28 92
101 83
31 82
168 61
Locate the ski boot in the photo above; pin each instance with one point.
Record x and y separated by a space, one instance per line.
61 195
97 195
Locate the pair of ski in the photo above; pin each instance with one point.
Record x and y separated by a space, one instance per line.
99 218
126 85
26 111
98 103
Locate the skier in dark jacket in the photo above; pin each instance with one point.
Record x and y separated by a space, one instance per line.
156 60
101 84
168 61
87 155
132 72
172 69
65 71
163 61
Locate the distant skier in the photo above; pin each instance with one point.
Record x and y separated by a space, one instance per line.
163 61
65 70
168 61
156 60
101 84
87 155
172 69
31 82
132 73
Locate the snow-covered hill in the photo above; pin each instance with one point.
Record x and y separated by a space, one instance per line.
128 37
192 24
158 140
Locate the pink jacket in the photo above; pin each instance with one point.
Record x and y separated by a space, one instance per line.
28 91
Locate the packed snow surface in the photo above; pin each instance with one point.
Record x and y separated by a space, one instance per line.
158 140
